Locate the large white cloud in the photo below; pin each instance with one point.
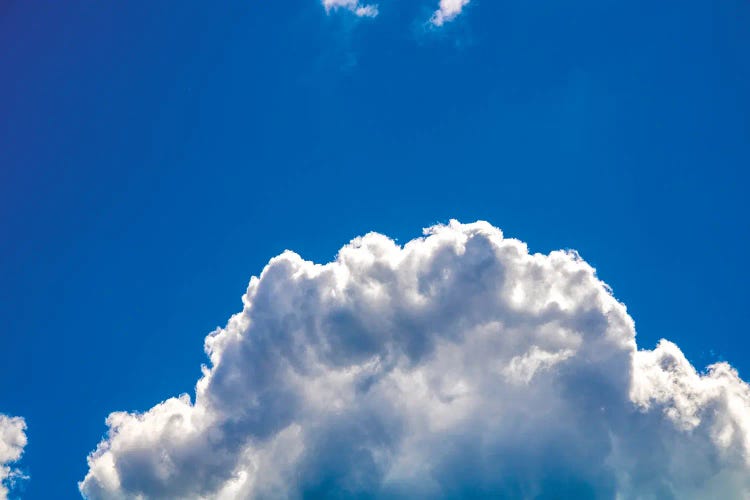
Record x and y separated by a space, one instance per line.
12 443
447 11
458 364
358 8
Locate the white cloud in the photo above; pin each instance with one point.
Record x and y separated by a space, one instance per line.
457 365
12 442
447 11
355 6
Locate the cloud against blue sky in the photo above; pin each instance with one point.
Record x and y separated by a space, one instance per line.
446 11
12 443
152 159
456 365
358 8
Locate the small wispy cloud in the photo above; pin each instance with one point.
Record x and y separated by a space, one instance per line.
358 8
447 11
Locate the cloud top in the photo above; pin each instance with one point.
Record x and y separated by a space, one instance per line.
456 365
12 443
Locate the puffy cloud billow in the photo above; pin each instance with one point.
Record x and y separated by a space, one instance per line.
12 443
457 365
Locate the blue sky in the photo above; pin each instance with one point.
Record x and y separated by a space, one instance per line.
153 158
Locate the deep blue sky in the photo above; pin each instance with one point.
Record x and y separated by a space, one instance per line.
154 157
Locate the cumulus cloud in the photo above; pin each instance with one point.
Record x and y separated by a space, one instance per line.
12 443
447 11
355 6
456 365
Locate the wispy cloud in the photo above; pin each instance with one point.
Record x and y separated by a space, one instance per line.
355 6
447 11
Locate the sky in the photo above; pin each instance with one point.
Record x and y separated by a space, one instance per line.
154 158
